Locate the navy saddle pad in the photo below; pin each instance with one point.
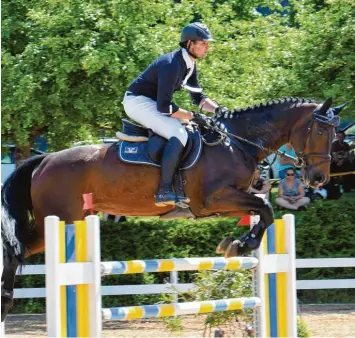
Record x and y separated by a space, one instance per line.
150 152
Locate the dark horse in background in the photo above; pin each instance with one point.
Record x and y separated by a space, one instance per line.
53 184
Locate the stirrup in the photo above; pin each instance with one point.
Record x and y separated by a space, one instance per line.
168 197
182 205
182 201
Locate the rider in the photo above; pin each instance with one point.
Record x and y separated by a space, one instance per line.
148 101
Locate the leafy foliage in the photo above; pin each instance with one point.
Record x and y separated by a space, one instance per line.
225 284
302 330
326 231
66 64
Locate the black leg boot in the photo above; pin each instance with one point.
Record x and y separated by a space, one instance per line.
169 163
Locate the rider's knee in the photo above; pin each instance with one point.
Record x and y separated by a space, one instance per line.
184 136
180 134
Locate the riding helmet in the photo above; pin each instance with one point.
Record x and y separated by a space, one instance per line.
196 31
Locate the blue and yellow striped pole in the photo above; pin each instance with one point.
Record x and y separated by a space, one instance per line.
73 280
177 264
277 264
167 310
74 300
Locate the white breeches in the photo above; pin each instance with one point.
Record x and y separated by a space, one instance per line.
144 110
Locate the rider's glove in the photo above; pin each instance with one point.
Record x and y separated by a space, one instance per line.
220 111
200 119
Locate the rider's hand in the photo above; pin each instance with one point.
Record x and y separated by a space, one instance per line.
221 110
200 119
183 115
189 115
184 121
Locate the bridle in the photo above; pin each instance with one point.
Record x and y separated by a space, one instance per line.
301 158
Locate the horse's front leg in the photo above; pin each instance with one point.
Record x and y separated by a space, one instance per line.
236 201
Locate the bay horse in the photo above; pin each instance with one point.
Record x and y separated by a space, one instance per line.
53 184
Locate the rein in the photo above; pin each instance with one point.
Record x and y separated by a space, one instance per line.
212 125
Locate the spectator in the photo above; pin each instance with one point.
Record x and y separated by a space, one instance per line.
316 193
260 185
340 160
291 192
284 162
320 193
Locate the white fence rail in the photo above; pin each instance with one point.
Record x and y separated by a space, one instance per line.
325 263
176 287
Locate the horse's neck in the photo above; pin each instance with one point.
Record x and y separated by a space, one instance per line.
270 129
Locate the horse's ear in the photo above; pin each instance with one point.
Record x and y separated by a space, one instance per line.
338 109
325 106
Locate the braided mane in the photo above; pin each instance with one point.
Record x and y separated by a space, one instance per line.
261 106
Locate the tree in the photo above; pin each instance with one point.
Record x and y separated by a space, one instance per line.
67 64
324 59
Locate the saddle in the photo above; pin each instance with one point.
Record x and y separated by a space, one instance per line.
140 145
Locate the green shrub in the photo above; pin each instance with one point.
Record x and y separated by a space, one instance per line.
326 230
302 330
213 285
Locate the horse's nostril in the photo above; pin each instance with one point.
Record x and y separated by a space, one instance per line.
318 177
320 180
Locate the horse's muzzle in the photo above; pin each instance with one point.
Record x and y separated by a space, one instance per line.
317 180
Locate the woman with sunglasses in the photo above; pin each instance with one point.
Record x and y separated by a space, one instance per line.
291 192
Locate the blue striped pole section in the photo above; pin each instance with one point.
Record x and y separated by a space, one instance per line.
167 310
177 264
271 297
71 301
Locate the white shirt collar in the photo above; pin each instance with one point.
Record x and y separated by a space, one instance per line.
189 63
190 66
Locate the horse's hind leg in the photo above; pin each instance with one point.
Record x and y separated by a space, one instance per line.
68 212
7 284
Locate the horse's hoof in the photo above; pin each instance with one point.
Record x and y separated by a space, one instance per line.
232 250
6 305
224 244
4 313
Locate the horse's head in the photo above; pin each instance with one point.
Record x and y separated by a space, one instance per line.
312 140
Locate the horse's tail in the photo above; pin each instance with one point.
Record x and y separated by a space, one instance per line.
17 210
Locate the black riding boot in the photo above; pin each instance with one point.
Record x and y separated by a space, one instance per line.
169 163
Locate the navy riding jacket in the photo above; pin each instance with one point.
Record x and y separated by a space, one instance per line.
162 78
